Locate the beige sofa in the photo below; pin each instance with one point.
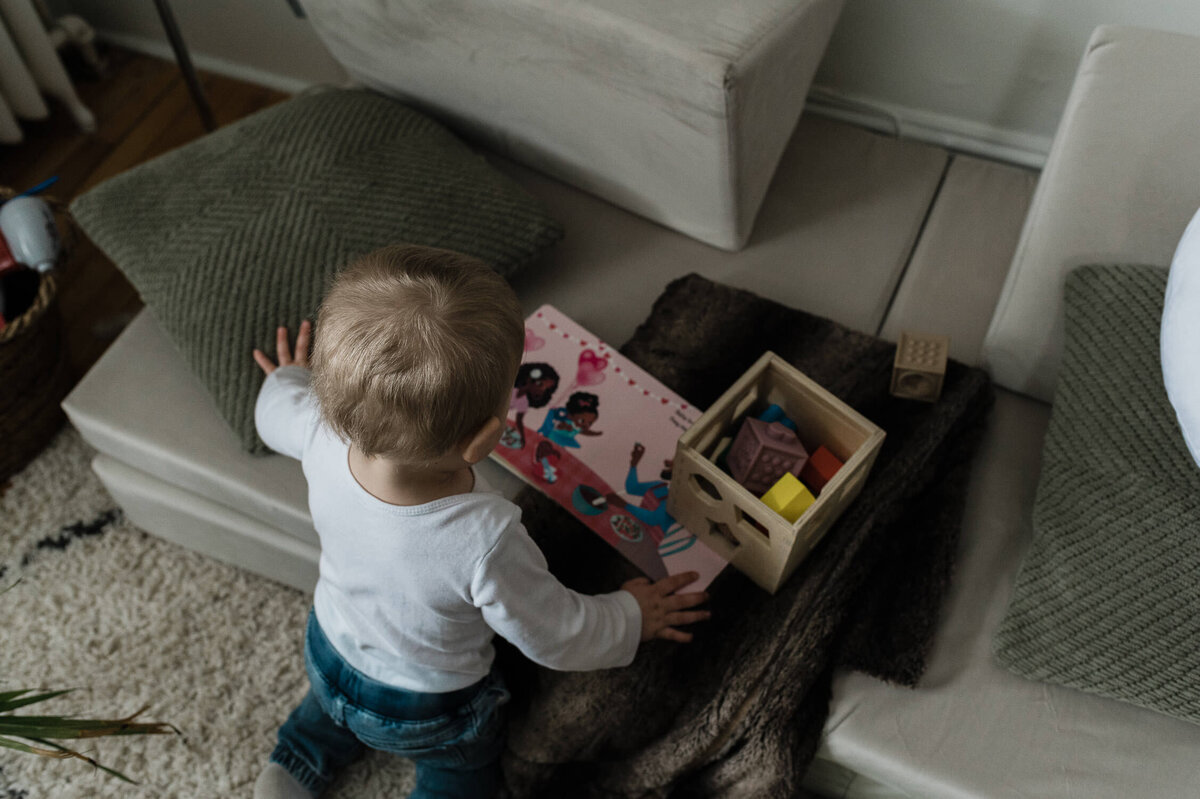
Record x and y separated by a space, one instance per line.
1120 184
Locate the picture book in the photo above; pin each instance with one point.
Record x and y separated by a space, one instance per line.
597 435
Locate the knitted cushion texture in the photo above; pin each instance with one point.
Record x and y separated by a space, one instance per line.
1108 599
241 231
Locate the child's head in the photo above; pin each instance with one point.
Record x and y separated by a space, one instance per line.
415 350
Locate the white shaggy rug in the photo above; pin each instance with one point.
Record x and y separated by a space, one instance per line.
131 620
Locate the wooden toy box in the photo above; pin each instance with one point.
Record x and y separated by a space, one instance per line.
732 520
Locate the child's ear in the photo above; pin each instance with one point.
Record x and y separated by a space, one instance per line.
477 447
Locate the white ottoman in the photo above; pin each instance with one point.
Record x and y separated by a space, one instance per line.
677 110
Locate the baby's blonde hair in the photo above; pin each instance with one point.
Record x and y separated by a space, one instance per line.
415 349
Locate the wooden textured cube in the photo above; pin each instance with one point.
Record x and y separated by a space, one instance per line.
728 517
920 366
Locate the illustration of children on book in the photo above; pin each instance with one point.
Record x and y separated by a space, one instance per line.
533 388
562 425
652 511
549 415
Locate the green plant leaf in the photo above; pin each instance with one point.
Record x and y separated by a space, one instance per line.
64 752
11 700
59 727
39 729
12 743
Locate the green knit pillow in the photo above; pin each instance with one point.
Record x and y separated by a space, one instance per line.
1108 597
241 230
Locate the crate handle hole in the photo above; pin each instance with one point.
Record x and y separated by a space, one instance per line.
723 532
746 518
705 485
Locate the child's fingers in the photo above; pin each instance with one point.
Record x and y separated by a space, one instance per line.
671 634
281 346
669 585
263 361
302 339
687 617
681 601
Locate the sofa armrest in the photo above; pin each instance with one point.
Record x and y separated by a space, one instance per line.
1119 186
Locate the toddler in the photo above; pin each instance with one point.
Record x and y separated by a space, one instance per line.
421 565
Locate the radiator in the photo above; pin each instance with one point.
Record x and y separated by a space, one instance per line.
29 68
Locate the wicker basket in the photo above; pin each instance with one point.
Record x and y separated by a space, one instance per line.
35 375
35 371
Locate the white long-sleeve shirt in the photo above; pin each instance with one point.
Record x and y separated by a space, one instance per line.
412 595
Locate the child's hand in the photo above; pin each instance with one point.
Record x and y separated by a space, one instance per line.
284 351
662 608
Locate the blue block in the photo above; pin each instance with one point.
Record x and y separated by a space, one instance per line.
774 413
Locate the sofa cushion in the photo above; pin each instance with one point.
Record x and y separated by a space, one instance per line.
1180 335
1119 187
1107 599
241 230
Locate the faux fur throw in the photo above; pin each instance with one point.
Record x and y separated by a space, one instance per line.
739 711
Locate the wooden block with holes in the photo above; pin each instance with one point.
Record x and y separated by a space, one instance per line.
727 516
920 366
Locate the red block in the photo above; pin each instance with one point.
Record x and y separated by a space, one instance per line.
821 467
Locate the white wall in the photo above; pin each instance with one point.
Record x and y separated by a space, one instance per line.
260 41
987 76
990 75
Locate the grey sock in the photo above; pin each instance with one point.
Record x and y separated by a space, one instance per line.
274 782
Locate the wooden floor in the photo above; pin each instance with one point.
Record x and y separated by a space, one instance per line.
143 109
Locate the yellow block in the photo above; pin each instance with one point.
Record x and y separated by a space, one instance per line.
789 497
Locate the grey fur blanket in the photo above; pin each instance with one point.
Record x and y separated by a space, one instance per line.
738 712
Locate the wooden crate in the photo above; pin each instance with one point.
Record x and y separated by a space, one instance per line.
728 517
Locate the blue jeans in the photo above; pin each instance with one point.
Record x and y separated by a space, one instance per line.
455 738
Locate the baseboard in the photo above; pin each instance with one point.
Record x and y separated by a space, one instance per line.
231 69
953 133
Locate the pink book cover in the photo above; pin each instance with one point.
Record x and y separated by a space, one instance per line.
597 435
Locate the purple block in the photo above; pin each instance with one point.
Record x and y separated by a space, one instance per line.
762 453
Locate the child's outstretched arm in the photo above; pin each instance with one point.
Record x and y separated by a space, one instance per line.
284 410
562 629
